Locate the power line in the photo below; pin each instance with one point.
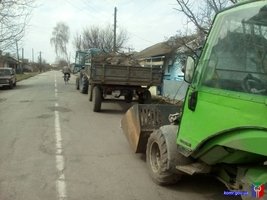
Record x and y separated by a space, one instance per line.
138 12
80 9
89 5
85 10
141 38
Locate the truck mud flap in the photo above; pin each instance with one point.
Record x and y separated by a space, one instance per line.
140 121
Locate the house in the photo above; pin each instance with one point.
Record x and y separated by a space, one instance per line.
165 55
171 56
156 55
8 61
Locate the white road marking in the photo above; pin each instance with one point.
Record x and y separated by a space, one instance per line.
56 91
60 164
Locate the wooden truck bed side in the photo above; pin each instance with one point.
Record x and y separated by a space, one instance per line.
125 75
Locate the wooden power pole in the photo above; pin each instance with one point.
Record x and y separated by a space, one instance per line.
19 65
115 27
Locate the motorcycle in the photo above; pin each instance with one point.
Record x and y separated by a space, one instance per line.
66 78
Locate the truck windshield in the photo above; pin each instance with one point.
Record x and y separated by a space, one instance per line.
236 58
79 59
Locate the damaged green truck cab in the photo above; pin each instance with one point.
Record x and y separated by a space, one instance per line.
224 119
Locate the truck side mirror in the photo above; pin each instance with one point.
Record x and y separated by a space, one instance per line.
189 69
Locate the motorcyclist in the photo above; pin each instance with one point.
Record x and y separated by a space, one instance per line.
66 71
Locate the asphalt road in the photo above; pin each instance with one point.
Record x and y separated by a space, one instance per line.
52 146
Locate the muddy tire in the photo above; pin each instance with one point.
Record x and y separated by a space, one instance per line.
97 99
77 84
145 97
84 85
128 97
157 160
90 93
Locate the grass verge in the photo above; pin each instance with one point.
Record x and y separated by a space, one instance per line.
21 77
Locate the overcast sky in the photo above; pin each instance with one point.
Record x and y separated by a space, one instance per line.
147 22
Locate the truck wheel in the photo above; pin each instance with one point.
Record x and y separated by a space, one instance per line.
90 92
84 85
157 160
128 97
145 97
77 84
97 99
11 85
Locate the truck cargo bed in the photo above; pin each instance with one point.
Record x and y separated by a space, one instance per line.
126 75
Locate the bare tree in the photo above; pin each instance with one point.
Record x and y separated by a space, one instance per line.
201 13
122 38
91 37
14 16
60 39
77 41
61 63
102 38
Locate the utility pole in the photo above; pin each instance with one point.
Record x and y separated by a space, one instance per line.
40 61
80 43
40 57
18 55
22 53
115 27
22 60
32 55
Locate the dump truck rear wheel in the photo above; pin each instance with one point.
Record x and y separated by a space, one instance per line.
77 84
128 97
90 92
97 99
145 97
157 160
83 85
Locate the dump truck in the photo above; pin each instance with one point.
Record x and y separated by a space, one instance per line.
104 75
221 127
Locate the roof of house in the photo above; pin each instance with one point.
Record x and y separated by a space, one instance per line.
158 49
8 58
182 44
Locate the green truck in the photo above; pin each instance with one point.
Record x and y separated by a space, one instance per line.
221 127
